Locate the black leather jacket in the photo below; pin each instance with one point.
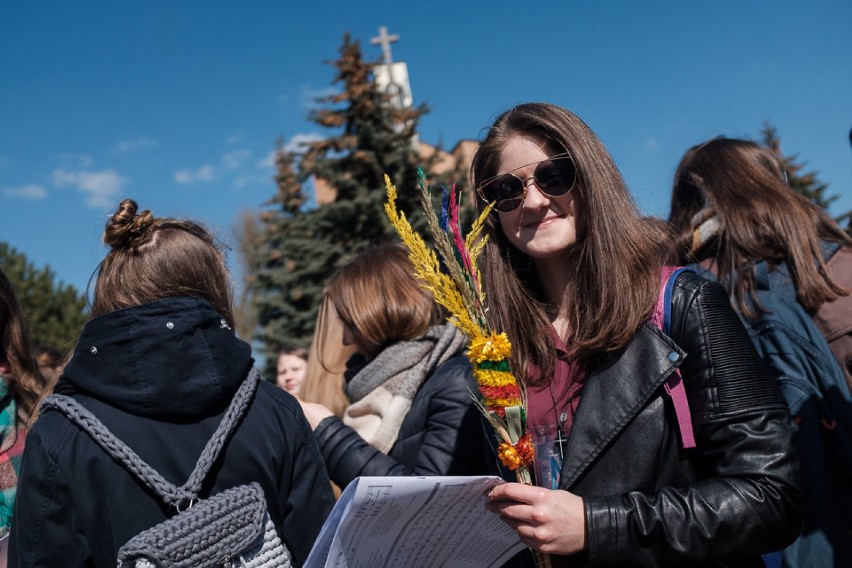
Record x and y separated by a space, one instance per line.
650 503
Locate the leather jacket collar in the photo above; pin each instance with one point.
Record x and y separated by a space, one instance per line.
622 383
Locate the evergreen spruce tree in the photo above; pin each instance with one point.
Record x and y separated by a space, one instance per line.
805 182
55 313
285 282
368 137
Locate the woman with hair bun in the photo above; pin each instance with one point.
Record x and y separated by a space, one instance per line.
159 364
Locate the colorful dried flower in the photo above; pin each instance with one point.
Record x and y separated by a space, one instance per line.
495 347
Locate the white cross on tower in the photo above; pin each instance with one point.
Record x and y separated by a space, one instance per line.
384 39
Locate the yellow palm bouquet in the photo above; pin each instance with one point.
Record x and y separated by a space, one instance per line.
450 272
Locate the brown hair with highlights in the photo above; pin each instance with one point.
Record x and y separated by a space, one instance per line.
759 217
155 258
617 260
378 299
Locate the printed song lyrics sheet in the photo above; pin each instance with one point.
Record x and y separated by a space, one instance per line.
414 522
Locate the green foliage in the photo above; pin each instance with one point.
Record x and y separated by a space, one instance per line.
285 282
301 248
55 313
805 182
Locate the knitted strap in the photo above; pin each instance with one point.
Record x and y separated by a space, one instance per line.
119 451
674 383
236 410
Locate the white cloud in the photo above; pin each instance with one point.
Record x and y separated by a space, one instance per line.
76 161
245 179
234 139
101 188
651 144
241 181
129 146
187 176
268 162
233 160
299 143
29 191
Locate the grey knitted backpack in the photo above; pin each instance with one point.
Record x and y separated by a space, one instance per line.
231 528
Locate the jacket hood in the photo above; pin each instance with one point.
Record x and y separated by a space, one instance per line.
173 357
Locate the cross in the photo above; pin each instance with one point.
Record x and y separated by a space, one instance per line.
560 439
385 40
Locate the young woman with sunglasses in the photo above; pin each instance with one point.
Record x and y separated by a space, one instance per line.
574 273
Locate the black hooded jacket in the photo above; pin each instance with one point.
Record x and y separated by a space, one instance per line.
160 377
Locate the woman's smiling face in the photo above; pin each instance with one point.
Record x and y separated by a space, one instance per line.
542 227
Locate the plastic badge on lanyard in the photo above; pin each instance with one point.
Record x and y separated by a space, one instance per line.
549 444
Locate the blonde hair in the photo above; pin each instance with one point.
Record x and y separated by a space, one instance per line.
324 382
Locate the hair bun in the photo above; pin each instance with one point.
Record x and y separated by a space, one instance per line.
126 229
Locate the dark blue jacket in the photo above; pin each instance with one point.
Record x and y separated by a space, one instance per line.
440 435
160 376
815 389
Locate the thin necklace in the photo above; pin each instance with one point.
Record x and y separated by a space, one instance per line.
573 369
560 421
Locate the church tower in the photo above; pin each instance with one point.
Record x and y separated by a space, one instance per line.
392 77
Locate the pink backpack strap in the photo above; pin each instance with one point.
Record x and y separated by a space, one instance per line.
674 384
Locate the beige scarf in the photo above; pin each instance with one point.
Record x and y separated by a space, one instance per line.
705 227
383 389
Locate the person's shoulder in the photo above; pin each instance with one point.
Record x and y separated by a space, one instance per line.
693 276
457 363
271 395
696 280
840 264
697 294
277 404
52 432
454 368
276 411
453 378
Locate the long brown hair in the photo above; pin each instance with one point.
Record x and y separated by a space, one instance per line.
155 258
741 186
618 259
324 382
26 383
378 299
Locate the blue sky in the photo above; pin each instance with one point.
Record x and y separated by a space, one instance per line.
178 104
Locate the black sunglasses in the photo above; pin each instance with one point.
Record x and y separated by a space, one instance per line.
554 176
